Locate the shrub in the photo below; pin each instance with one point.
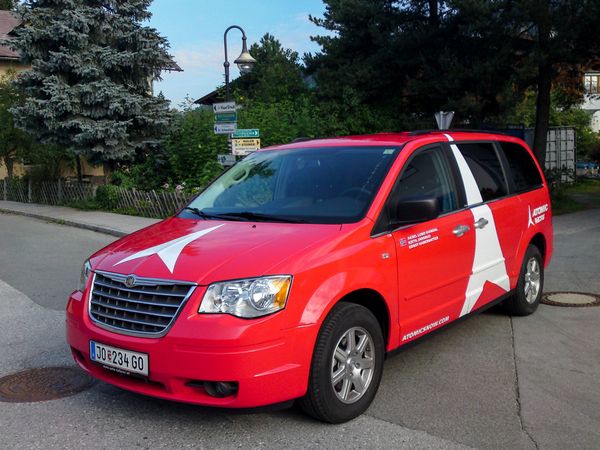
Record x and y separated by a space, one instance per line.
107 197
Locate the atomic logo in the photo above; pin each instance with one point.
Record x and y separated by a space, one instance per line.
537 215
530 220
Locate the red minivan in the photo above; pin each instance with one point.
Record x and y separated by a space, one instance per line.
296 271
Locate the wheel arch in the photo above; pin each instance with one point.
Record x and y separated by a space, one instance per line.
374 302
539 241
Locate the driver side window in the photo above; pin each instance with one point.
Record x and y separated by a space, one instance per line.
427 175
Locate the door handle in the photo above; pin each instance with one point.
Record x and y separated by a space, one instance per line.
481 223
460 230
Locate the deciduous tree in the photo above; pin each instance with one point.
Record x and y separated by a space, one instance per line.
14 143
477 57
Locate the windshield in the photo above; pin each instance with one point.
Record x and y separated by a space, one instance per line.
314 185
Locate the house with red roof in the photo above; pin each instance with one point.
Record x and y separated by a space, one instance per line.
9 58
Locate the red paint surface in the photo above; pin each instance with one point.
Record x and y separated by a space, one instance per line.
270 356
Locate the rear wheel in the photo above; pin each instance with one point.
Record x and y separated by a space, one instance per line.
347 365
530 285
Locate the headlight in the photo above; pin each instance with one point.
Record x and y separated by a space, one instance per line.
86 270
251 297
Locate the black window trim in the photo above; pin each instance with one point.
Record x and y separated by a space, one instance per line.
456 181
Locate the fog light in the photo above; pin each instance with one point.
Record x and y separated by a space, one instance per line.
218 389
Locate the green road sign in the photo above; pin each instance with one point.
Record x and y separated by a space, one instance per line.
246 133
226 117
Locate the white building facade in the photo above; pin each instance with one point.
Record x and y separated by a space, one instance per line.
591 100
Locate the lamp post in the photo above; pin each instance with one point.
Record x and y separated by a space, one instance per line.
245 61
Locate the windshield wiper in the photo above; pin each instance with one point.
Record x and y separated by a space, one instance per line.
244 215
201 213
260 217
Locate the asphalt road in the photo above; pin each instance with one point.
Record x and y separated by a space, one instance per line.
488 382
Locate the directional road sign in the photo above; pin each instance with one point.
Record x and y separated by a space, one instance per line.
225 128
246 133
226 117
244 146
224 107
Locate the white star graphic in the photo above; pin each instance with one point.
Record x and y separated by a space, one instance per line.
488 262
530 221
169 251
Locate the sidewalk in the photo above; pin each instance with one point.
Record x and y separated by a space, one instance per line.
103 222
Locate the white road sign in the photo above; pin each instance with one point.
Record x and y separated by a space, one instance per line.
224 107
225 127
226 160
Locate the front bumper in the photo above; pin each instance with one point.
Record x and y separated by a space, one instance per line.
270 364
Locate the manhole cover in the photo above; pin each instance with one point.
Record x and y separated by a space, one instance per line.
44 383
571 299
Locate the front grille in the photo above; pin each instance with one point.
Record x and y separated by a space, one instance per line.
149 306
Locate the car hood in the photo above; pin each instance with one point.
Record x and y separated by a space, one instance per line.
205 251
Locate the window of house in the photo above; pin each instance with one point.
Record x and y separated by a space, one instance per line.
591 83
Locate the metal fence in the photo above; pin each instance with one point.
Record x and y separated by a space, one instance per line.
158 204
561 153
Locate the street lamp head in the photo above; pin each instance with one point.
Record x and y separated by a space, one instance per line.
245 61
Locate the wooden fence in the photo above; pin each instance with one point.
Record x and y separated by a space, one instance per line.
157 204
149 203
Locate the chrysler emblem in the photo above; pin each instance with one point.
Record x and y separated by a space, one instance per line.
130 281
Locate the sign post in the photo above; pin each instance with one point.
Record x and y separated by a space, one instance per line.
240 142
225 118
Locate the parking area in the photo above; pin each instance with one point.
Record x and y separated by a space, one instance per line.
488 382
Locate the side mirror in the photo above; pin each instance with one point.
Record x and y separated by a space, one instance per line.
415 209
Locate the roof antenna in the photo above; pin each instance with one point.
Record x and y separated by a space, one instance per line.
444 119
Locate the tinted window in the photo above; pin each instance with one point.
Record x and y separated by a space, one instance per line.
523 170
427 175
315 185
487 170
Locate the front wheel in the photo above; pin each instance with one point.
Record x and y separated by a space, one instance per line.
347 365
529 286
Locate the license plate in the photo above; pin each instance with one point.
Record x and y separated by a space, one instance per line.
117 358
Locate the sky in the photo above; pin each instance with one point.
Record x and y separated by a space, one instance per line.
195 28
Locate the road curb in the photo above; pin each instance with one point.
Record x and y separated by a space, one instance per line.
71 223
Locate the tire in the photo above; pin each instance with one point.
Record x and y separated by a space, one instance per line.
342 401
531 279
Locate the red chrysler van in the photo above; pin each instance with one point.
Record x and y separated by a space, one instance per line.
295 272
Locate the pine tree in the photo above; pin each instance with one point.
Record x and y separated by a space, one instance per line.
7 5
277 74
89 88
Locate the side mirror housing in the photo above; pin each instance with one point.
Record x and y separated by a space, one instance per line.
415 210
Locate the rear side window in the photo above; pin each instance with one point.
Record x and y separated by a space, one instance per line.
487 170
523 170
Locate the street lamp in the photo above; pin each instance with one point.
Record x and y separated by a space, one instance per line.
245 61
